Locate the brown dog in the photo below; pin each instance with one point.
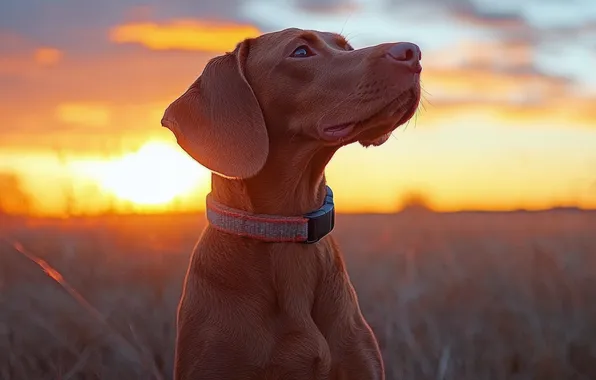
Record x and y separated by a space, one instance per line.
264 298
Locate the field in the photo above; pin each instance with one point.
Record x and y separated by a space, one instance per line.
449 296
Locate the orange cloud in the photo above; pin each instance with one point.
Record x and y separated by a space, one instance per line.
184 35
565 112
95 115
569 111
500 53
47 56
121 91
121 95
109 102
482 84
19 54
491 72
498 79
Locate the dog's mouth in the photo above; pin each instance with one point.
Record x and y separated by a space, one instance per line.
339 131
376 129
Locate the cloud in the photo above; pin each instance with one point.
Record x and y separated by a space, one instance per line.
117 90
474 14
551 113
89 101
502 76
47 56
19 54
481 84
496 54
114 99
117 76
500 71
80 27
328 6
184 35
29 61
93 115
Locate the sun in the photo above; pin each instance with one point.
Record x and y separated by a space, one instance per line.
156 174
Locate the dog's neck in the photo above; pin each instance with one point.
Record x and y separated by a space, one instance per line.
291 183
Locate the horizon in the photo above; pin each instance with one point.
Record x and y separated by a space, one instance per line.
507 122
200 213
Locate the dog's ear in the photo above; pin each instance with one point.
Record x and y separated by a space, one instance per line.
218 120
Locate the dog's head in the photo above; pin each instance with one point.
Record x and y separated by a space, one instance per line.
294 85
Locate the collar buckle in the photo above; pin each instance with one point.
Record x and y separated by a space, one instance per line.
322 221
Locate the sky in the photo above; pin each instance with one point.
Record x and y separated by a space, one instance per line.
509 117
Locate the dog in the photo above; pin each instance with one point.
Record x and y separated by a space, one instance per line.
267 295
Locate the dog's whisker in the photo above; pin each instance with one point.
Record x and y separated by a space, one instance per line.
350 96
407 123
425 99
344 25
350 37
416 118
424 91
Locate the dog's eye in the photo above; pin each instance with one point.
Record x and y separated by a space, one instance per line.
302 52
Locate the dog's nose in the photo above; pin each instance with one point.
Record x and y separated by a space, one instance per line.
406 53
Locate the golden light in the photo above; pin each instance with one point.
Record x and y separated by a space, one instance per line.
95 115
184 35
156 174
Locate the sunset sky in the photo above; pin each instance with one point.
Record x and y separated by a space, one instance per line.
509 121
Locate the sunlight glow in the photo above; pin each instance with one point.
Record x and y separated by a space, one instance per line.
156 174
185 35
94 115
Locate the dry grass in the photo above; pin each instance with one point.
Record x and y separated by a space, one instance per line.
460 296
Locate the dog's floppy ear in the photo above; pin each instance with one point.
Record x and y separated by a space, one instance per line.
218 120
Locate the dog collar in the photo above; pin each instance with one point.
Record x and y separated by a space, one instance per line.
309 228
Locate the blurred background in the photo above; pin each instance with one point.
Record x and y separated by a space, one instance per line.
508 121
468 235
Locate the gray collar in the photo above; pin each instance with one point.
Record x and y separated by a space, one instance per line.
308 228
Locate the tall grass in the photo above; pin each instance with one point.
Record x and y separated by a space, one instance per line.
449 296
